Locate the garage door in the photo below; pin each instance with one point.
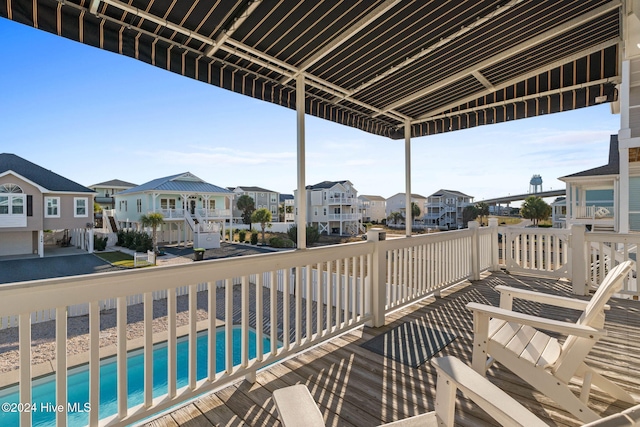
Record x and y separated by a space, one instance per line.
15 243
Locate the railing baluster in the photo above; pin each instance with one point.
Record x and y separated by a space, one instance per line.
172 364
259 318
319 304
330 282
347 293
362 279
338 294
286 310
193 337
24 346
61 364
298 295
94 362
245 321
121 326
309 301
354 290
228 325
212 331
273 305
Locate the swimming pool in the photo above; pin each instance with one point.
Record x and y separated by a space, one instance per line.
43 389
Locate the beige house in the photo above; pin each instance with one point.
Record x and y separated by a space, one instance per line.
373 208
34 199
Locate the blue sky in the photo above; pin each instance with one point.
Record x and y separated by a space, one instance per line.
92 116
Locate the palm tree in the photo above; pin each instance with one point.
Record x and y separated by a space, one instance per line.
415 211
153 220
263 217
535 209
395 217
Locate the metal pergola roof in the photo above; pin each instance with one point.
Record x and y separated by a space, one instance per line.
373 65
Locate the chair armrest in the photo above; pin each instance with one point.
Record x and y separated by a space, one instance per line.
495 402
576 304
296 407
564 328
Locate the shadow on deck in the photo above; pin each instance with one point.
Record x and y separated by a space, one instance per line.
356 387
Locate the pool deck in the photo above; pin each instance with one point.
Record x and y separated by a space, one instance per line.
356 387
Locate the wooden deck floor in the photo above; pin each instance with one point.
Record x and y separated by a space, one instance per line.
356 387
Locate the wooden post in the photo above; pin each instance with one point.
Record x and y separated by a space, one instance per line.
376 281
578 259
475 250
495 245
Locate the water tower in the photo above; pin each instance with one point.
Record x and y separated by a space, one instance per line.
535 185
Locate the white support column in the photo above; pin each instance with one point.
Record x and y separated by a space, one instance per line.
624 134
578 259
91 232
495 249
475 250
376 281
407 171
301 200
41 243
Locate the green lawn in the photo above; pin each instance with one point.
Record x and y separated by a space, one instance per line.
116 258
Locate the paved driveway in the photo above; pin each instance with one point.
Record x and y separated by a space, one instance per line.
20 270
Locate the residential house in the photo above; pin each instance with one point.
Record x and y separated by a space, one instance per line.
287 207
595 197
193 209
396 203
332 206
34 199
444 209
372 208
262 198
106 190
559 212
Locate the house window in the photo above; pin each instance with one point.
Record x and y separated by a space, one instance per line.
261 194
212 204
324 211
167 203
273 198
53 207
274 210
139 205
315 211
80 207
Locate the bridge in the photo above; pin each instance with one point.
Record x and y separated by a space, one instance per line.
517 197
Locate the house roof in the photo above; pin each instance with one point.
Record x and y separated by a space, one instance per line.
182 182
115 183
284 197
325 184
372 65
454 192
256 189
40 176
376 198
413 195
611 168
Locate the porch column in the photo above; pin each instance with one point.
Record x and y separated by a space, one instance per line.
624 134
578 259
301 200
407 172
41 243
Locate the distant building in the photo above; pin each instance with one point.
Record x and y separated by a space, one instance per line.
34 199
373 208
287 207
262 198
106 190
396 203
332 206
444 209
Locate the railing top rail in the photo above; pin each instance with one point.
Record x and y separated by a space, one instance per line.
402 242
535 230
606 237
22 297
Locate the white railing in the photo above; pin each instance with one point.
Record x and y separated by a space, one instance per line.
171 213
536 251
606 250
342 200
593 212
213 213
344 217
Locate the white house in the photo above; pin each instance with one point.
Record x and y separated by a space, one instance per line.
288 204
595 196
373 208
262 198
34 199
332 206
396 203
193 209
106 190
444 209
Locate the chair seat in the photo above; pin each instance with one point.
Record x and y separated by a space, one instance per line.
525 342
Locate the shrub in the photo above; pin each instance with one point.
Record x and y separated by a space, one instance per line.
280 242
313 235
135 240
241 235
254 237
99 243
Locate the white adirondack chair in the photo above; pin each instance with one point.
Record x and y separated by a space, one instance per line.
296 407
514 340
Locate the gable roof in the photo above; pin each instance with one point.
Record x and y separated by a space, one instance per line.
114 183
454 192
325 184
611 168
185 182
284 197
257 189
40 176
376 198
413 195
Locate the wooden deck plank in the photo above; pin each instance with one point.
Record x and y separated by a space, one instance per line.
356 387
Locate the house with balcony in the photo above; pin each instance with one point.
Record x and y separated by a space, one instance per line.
287 207
397 202
34 199
106 190
332 206
373 208
193 210
262 198
595 198
444 209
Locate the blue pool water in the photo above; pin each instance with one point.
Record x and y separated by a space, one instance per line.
43 389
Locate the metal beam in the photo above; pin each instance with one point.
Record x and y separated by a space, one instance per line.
425 51
541 38
225 34
346 35
482 79
548 67
301 200
408 218
93 6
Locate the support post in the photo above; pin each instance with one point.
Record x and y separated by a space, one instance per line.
495 244
376 281
475 250
407 171
301 199
41 243
578 259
